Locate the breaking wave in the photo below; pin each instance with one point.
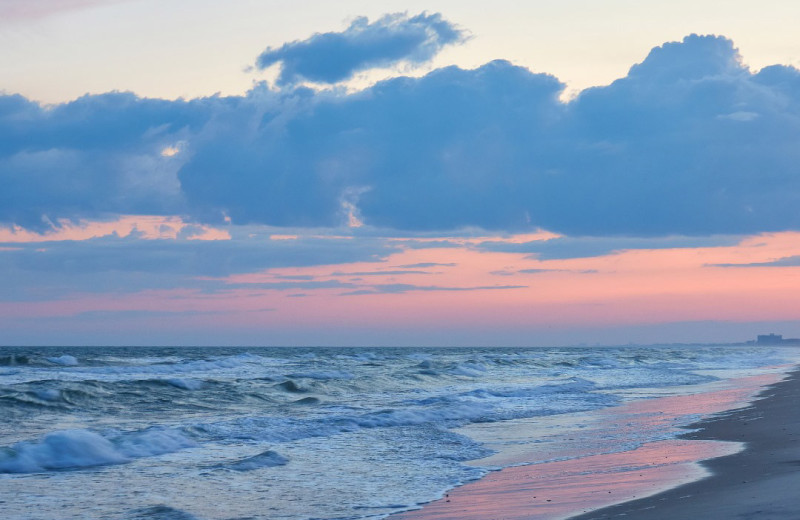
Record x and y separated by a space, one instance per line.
76 449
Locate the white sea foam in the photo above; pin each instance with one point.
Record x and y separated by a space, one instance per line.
152 442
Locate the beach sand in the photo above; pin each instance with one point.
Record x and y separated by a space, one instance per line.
760 482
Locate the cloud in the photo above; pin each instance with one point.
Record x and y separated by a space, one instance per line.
97 156
563 248
506 272
789 261
422 151
379 273
292 286
423 265
400 288
657 157
690 142
336 56
129 264
494 147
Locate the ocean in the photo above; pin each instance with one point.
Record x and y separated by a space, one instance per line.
321 433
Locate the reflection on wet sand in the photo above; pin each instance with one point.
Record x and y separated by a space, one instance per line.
562 488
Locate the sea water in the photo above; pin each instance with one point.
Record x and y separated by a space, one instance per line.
309 433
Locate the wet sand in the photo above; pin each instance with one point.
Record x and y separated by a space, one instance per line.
761 482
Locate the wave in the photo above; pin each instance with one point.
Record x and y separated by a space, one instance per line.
185 384
574 385
291 386
78 448
308 400
48 394
342 426
65 360
31 401
14 360
267 459
159 512
322 375
444 411
469 370
98 369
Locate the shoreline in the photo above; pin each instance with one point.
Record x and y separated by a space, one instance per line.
628 482
758 482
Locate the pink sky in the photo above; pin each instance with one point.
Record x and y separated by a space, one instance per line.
441 290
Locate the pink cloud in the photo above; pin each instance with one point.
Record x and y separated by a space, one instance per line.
147 227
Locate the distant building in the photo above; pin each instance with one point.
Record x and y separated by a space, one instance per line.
775 339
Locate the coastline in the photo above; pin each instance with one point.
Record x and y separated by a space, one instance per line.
759 482
653 481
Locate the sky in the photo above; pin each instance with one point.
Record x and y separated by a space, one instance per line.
378 173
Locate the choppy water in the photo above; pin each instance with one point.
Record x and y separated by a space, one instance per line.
323 433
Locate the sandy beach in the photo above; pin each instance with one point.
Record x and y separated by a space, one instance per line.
759 481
